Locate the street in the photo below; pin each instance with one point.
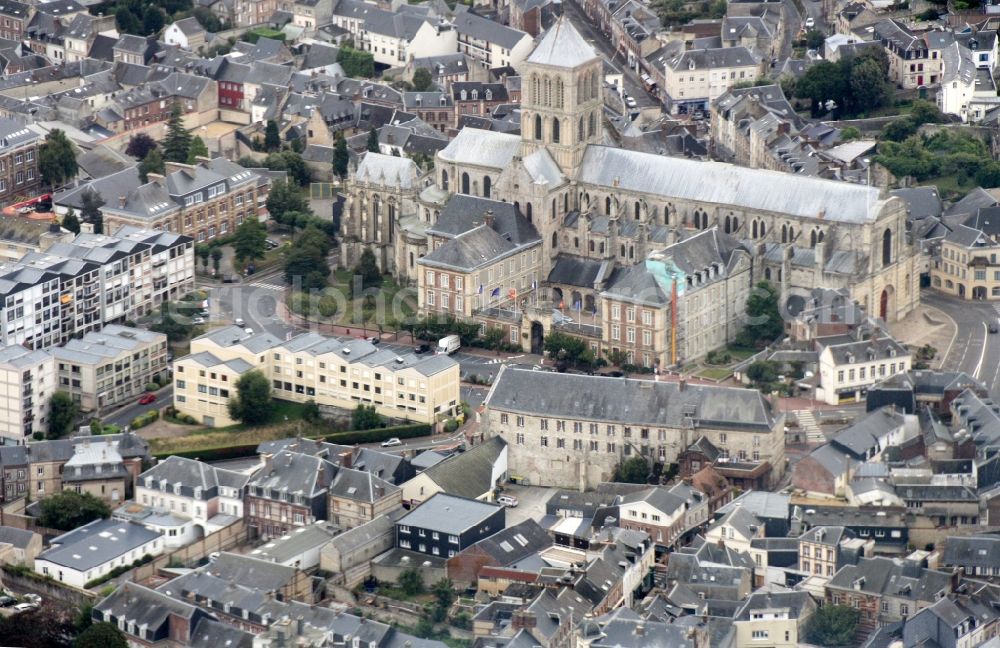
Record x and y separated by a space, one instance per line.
602 43
124 416
973 350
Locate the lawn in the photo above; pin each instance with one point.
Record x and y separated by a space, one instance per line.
715 373
389 302
740 354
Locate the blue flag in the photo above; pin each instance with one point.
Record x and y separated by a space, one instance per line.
496 292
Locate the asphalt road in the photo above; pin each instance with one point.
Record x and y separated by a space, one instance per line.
973 350
124 415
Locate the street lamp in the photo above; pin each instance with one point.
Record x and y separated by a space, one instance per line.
868 168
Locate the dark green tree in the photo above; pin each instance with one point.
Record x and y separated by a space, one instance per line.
356 63
762 374
302 263
252 403
422 80
411 581
634 470
494 338
815 38
177 142
373 141
152 163
46 627
870 88
127 22
249 242
560 346
66 510
57 159
367 269
71 222
196 150
285 197
101 635
216 258
272 137
207 19
341 157
833 625
152 20
140 145
364 417
822 82
204 252
291 162
764 322
311 413
62 415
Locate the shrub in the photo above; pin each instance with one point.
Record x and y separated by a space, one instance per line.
451 425
151 387
145 419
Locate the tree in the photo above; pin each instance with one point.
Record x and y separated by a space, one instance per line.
422 80
850 133
822 82
634 470
302 263
57 159
364 417
140 145
311 413
62 414
71 222
341 157
272 137
46 627
494 338
203 252
126 21
869 85
252 403
101 635
152 163
249 243
291 162
207 19
762 373
67 510
196 150
814 39
833 625
285 197
356 63
177 143
764 322
373 140
411 581
216 258
560 346
367 269
152 20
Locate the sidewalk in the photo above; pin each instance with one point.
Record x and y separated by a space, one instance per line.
926 325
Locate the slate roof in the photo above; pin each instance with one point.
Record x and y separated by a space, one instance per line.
470 473
15 537
360 486
892 577
577 271
482 148
850 352
835 461
470 250
264 575
727 184
96 543
449 514
628 401
143 606
797 604
514 543
463 213
294 473
973 551
711 59
562 46
475 26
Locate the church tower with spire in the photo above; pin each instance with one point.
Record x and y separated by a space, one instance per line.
561 97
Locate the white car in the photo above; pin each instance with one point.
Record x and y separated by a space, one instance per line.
507 500
240 323
630 102
810 23
25 607
391 443
248 331
198 320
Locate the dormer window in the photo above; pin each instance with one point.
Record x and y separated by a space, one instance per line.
464 95
177 488
197 492
489 94
475 95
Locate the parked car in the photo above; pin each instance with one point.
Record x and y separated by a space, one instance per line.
994 328
25 607
374 339
422 348
240 323
507 500
271 244
7 601
391 443
630 102
198 320
248 331
810 23
147 399
33 598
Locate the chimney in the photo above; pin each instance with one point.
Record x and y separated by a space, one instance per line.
682 384
121 201
300 623
488 218
347 459
523 619
267 461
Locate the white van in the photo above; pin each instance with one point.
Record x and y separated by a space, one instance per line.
448 345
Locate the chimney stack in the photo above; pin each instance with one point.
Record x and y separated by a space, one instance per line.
121 201
488 218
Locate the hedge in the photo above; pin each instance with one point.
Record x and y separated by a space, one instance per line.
238 451
118 571
145 419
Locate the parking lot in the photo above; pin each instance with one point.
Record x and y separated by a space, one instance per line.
530 502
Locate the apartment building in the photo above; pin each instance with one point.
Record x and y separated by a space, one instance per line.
680 303
490 44
14 18
288 492
696 78
19 175
110 366
848 367
571 431
483 258
14 471
338 373
914 61
19 236
27 381
774 619
119 455
357 497
967 265
203 201
30 299
97 468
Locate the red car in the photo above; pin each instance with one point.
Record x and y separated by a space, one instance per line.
147 399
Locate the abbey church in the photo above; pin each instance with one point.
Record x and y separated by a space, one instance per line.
646 255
